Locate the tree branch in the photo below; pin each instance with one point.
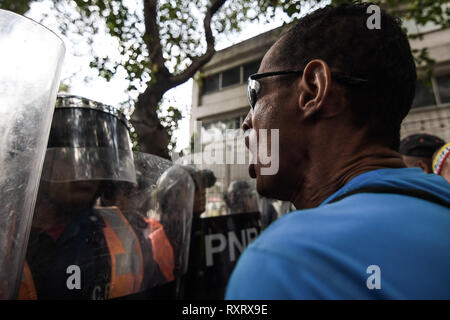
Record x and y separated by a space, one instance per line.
152 38
200 61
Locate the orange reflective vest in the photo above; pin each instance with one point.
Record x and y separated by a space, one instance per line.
162 249
127 265
27 290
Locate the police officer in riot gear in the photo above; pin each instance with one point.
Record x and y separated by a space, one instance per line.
77 250
174 215
203 179
240 198
160 205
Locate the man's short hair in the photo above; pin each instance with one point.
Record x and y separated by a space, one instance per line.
339 35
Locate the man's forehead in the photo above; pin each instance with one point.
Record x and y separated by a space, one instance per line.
272 58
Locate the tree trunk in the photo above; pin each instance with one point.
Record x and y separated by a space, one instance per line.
152 136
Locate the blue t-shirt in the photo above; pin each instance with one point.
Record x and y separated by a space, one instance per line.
365 246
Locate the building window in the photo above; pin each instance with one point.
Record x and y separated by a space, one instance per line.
424 95
443 84
230 77
211 83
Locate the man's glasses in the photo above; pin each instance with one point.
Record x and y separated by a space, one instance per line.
254 87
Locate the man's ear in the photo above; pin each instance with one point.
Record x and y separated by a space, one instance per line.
314 86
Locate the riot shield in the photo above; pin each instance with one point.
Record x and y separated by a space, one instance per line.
230 221
30 65
174 199
159 207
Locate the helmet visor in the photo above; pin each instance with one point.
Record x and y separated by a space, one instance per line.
78 164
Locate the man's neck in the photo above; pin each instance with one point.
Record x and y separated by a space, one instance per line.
329 175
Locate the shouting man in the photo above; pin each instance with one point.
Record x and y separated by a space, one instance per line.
369 228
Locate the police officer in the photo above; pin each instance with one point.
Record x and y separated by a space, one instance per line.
77 250
240 198
160 206
203 179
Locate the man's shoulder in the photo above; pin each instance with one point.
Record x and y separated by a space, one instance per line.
296 249
412 181
354 216
326 251
358 228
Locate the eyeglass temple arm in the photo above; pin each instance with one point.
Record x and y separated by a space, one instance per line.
348 79
335 75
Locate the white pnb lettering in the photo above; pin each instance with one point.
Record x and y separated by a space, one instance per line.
374 281
210 249
215 243
74 280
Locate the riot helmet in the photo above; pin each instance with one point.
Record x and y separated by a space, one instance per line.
137 197
88 141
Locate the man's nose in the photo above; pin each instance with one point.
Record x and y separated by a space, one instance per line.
247 124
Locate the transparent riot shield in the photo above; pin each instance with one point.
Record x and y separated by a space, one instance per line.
230 220
30 65
174 199
159 207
